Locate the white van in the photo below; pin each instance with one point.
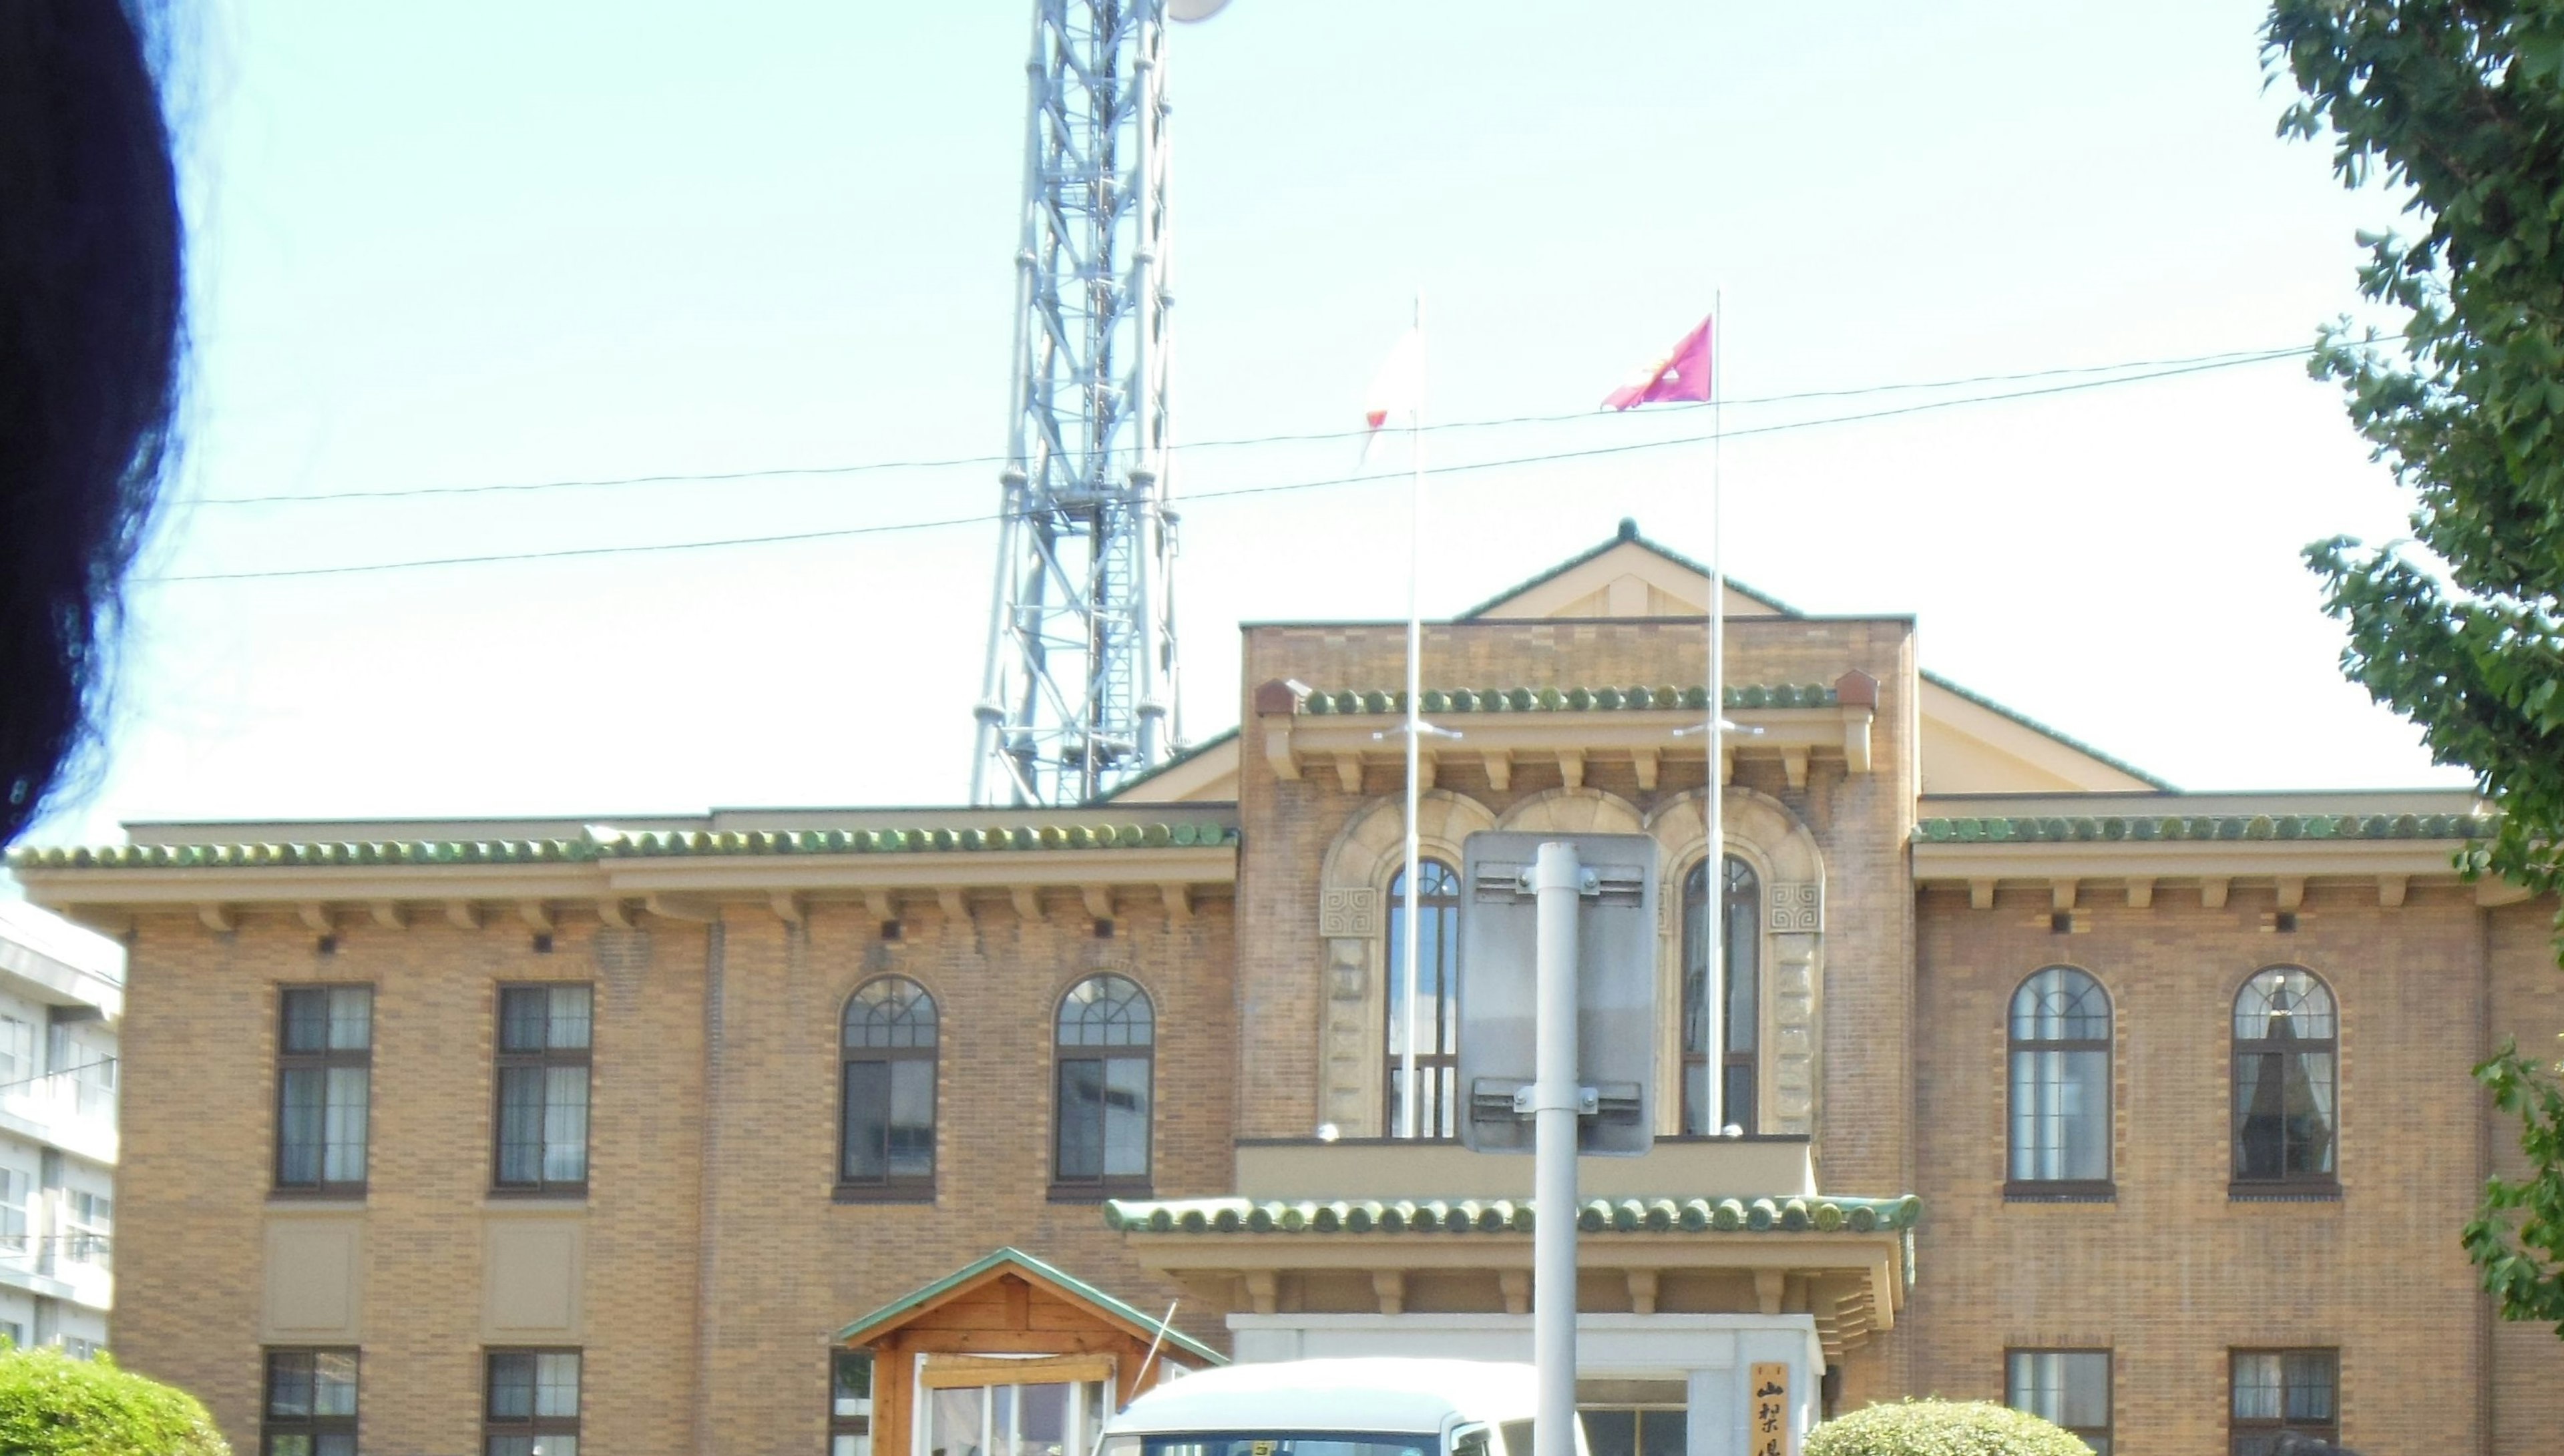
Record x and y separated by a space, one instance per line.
1336 1407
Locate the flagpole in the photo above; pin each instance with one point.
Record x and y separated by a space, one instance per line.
1412 1105
1714 984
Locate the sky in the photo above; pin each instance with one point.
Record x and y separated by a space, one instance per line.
502 244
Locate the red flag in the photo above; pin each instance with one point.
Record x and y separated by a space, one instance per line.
1682 374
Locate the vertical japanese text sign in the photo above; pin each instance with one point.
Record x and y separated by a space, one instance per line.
1770 1433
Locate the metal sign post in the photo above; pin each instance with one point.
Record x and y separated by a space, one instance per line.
1557 1046
1558 882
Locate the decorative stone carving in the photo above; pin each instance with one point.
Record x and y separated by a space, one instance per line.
1347 970
1798 907
1352 897
1347 909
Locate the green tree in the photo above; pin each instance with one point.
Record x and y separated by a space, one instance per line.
53 1405
1942 1428
2458 105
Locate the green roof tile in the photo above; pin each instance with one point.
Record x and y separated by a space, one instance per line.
1636 698
1508 1215
645 845
2054 829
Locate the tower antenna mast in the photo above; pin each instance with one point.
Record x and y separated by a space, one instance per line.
1079 692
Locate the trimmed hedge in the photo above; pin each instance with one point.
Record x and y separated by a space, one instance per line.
1942 1428
53 1405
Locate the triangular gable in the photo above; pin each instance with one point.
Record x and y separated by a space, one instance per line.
1973 745
1045 1279
1625 577
1206 773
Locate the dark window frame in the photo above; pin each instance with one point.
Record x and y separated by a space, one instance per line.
2257 1429
322 1062
1064 1054
889 1187
535 1428
839 1423
2107 1430
548 1056
1742 889
2284 1184
1439 1069
2064 1190
313 1425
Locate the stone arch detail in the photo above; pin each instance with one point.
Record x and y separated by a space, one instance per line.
1353 921
1762 832
1573 811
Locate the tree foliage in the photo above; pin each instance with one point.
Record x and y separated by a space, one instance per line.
2459 105
53 1405
1942 1428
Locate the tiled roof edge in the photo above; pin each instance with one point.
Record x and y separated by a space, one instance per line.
645 845
1792 1214
2028 722
2058 829
1574 699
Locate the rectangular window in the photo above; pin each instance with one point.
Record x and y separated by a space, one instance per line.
15 1187
16 1054
311 1403
542 1088
2070 1387
850 1403
323 1089
533 1408
90 1228
2279 1392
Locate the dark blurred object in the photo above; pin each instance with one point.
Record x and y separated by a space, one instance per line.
89 347
2292 1444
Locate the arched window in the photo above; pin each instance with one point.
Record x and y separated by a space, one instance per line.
886 1126
2286 1039
1742 903
2060 1082
1437 1001
1105 1039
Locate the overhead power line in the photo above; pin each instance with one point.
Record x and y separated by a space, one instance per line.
2211 362
792 472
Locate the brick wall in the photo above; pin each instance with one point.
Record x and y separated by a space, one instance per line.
784 1266
2173 1273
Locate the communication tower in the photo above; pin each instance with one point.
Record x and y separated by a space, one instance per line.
1079 693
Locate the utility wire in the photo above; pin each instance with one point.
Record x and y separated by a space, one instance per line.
1506 462
2231 356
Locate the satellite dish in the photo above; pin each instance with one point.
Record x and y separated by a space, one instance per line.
1190 10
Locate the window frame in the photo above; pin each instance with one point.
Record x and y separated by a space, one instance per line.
2108 1429
532 1426
2284 1186
315 1425
890 1187
1747 893
1104 1185
2035 1190
2237 1430
323 1062
1439 1069
548 1056
842 1424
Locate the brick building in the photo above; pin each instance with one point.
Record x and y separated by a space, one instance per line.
801 1130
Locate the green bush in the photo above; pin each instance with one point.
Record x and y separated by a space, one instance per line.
1942 1428
53 1405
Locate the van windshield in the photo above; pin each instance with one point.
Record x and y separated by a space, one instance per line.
1272 1443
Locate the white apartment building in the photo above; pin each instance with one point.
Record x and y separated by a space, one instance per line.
62 998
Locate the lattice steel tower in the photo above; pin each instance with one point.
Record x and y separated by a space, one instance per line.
1079 693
